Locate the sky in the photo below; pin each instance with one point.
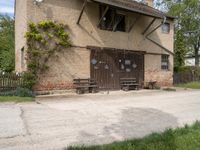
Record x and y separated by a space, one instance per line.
7 7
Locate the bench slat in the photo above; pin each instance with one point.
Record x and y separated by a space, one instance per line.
83 85
130 84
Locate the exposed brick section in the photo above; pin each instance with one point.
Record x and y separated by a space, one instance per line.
61 85
163 78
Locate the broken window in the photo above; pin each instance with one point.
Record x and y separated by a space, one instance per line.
165 62
111 20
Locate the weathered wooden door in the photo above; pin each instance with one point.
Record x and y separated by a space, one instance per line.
131 65
103 69
108 66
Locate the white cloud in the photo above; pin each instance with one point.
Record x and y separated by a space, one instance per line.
7 10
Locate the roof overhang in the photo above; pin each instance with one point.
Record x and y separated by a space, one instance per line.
134 6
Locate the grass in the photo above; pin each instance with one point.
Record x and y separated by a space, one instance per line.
191 85
16 99
186 138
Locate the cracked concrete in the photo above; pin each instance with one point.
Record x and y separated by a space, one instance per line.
24 121
11 124
94 119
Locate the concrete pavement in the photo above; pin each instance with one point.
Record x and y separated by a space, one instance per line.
56 122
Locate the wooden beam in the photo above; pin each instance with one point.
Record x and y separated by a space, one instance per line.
147 28
115 49
154 29
133 24
156 43
81 13
116 24
159 45
103 15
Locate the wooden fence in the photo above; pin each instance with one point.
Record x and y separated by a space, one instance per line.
186 77
10 82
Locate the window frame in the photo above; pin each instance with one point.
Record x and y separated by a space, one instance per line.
115 14
165 59
169 28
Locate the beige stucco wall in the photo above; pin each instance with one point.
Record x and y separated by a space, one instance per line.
64 67
20 29
87 33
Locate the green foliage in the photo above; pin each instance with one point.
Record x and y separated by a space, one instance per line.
186 138
7 51
16 99
43 40
21 92
29 79
180 50
187 24
182 69
178 69
191 85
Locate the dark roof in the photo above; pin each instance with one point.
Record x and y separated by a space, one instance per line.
134 6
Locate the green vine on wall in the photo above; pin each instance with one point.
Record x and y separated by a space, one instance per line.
43 40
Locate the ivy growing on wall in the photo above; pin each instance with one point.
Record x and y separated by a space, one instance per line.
43 40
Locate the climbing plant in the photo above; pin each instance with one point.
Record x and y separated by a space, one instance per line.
43 40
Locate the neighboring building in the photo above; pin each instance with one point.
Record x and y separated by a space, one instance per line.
113 39
190 60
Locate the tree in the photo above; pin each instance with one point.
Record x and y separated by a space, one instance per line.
7 51
180 50
188 22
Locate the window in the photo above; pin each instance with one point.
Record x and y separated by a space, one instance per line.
112 20
165 62
166 28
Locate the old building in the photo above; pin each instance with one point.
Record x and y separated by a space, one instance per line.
111 39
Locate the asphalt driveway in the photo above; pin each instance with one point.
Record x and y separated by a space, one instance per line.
56 122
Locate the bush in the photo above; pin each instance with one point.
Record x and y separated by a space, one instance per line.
181 69
21 92
29 79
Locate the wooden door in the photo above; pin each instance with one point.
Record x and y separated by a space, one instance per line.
103 69
131 65
108 66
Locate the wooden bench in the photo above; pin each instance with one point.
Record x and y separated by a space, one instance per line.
85 85
129 83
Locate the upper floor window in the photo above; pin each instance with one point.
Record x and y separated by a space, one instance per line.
165 62
112 20
166 28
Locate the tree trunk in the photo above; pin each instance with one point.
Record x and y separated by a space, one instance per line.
197 56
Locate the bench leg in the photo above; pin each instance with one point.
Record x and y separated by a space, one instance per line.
79 91
90 90
125 88
94 90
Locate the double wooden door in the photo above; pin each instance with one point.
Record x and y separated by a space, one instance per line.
108 66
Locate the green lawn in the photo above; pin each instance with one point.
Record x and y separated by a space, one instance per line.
187 138
16 99
192 85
